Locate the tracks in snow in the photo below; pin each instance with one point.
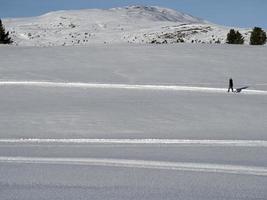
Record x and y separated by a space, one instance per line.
142 164
226 143
179 166
124 86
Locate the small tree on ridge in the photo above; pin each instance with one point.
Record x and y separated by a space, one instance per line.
258 36
234 37
4 37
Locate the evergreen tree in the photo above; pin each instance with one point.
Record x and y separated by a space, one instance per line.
258 36
239 38
4 37
231 37
234 37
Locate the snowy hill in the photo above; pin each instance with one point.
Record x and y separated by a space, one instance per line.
133 24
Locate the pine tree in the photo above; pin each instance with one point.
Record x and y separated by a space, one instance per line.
231 37
239 38
4 37
258 36
234 37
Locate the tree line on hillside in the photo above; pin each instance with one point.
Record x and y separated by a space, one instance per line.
4 36
258 37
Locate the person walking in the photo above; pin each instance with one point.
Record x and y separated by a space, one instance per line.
231 85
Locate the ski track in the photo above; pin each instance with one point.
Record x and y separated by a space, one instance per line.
125 86
224 143
178 166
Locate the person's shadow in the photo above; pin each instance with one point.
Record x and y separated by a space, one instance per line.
238 90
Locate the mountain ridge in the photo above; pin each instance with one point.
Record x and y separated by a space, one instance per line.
131 24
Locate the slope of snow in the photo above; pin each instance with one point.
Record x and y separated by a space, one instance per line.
133 24
133 122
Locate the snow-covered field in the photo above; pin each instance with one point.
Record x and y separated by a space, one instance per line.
133 122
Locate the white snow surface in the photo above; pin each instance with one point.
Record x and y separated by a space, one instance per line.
259 171
132 24
133 122
124 86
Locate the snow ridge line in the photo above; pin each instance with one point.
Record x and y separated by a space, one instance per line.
178 166
123 86
224 143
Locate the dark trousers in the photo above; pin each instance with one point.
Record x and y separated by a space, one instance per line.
230 88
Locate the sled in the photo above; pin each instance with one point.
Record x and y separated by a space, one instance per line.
239 90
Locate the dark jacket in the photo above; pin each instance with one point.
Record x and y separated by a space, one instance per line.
231 84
